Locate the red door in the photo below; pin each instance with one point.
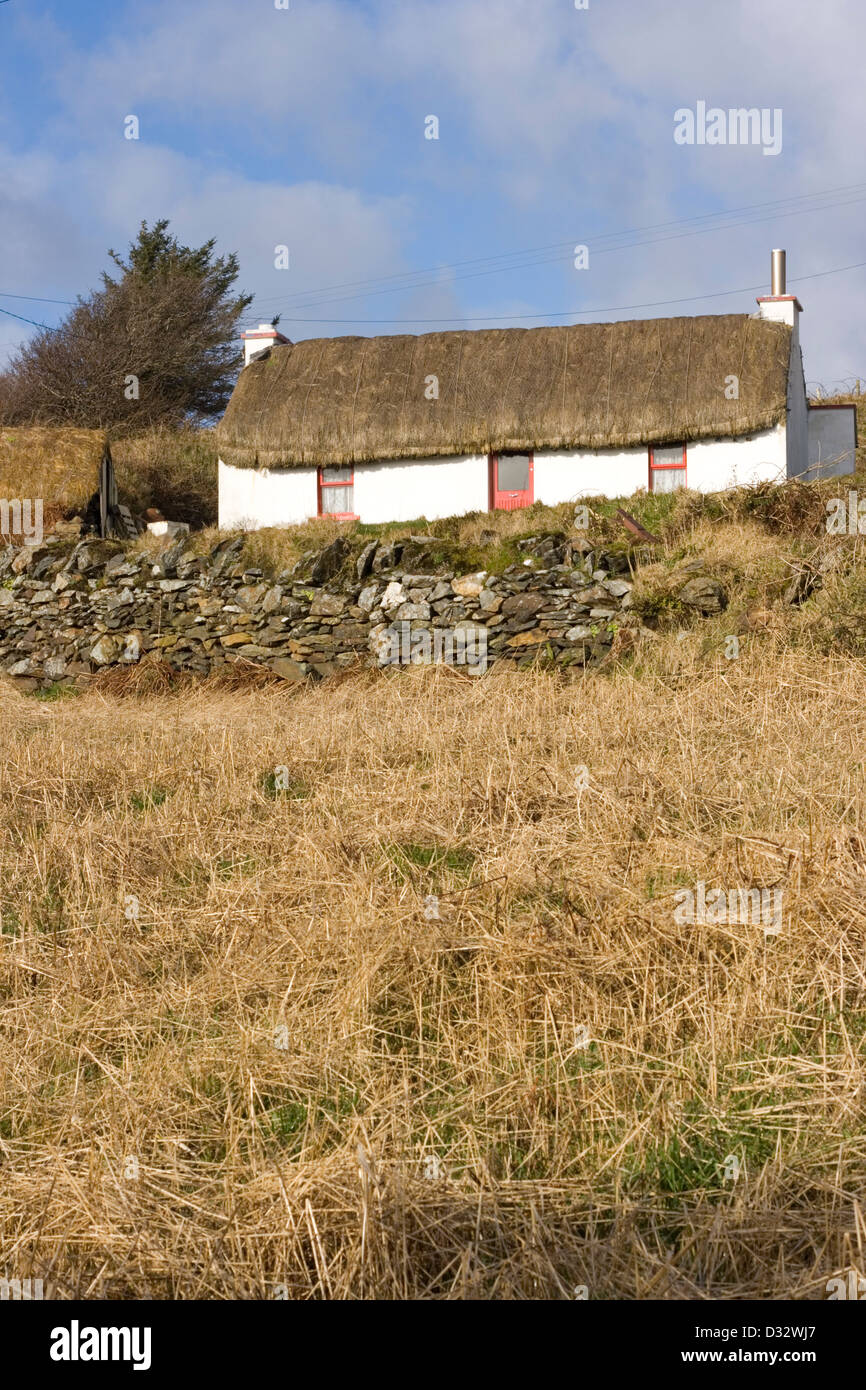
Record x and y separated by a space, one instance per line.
511 481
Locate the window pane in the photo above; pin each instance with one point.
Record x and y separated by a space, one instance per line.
337 499
513 473
337 475
668 479
669 453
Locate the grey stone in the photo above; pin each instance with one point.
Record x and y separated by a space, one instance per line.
386 557
705 595
364 562
225 555
469 585
131 647
54 668
614 561
418 581
166 562
106 650
117 562
327 606
46 562
414 610
23 560
489 601
253 651
522 607
249 596
393 596
290 670
330 561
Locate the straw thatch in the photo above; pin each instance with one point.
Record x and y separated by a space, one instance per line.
584 386
60 465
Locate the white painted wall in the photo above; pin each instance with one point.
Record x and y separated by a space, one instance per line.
563 475
832 441
786 309
252 497
716 464
409 488
401 490
711 466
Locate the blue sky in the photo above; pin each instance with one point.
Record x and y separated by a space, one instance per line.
305 127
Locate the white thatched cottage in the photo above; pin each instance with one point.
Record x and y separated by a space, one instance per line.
394 428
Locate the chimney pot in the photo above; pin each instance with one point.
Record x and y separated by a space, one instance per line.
778 278
258 340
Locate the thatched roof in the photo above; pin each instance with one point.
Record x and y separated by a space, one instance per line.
585 386
59 465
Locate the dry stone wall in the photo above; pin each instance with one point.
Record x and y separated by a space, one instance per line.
69 610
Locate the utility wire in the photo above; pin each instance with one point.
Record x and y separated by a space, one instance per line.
309 300
10 314
606 236
308 296
34 298
609 309
594 251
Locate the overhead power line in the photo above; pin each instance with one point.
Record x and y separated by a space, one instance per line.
606 236
606 309
603 244
600 245
20 318
34 298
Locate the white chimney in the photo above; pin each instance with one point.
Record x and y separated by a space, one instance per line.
257 340
778 304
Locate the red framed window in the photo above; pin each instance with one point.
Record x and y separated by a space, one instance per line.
512 481
336 487
667 467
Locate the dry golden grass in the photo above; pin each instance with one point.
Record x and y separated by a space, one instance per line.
59 465
173 469
298 1158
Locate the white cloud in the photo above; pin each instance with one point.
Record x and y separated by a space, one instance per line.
561 121
332 232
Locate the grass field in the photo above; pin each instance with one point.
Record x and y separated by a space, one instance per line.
377 988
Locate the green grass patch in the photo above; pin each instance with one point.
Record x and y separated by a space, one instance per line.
147 800
433 859
57 690
288 1119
